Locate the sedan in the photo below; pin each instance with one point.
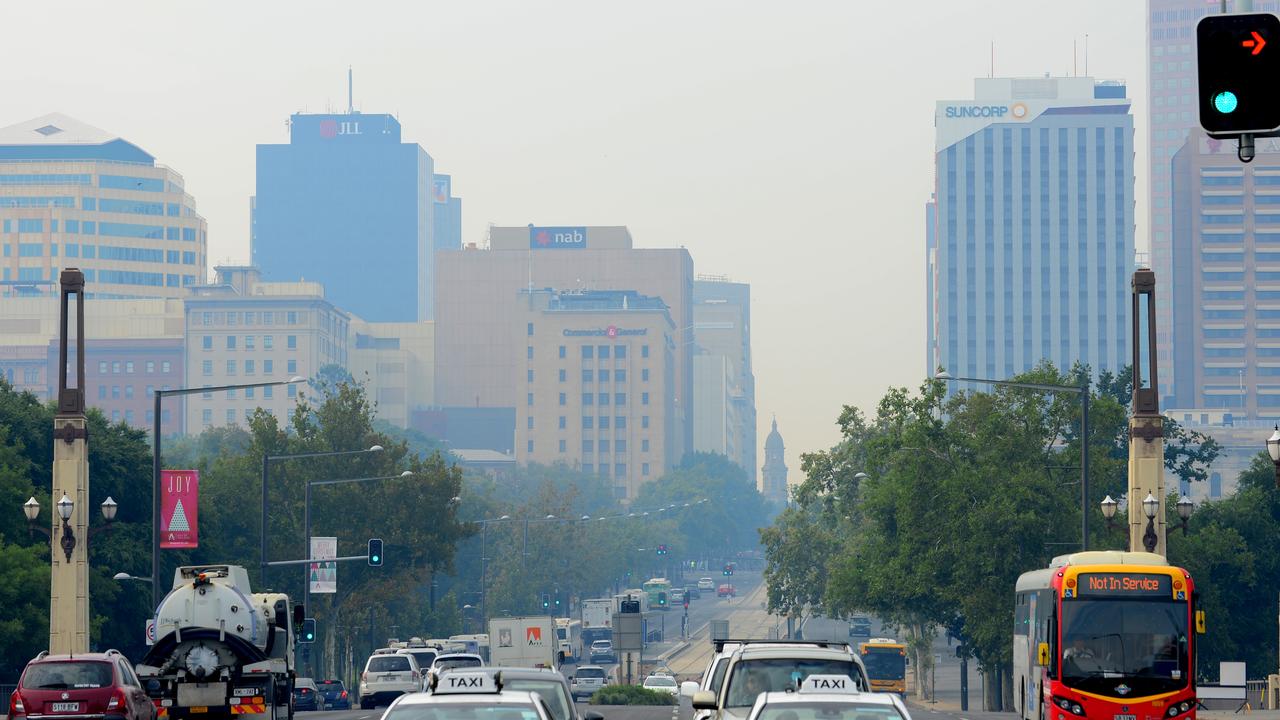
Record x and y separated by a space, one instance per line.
662 683
306 696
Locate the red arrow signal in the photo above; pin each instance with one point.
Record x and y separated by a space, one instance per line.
1257 43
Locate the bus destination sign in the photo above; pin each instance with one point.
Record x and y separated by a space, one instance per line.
1124 585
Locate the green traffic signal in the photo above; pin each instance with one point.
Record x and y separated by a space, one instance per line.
308 631
1225 102
375 552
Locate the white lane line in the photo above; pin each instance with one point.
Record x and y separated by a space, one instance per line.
365 717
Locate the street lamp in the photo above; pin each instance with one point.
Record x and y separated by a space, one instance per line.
126 577
1083 391
484 562
1150 506
66 508
158 395
1273 449
1185 508
1109 511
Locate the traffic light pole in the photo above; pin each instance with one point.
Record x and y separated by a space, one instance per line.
345 558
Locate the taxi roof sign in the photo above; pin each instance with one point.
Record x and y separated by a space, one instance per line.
840 684
455 683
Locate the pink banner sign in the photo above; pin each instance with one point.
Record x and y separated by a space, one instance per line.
179 506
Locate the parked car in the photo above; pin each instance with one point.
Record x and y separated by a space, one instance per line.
306 696
706 583
726 590
662 683
335 694
386 677
88 685
602 651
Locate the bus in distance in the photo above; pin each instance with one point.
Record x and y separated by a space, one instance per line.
1106 635
886 662
659 592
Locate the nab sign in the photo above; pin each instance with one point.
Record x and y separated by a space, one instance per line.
1237 62
557 238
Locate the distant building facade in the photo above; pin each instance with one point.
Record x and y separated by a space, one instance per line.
775 467
598 369
347 204
1032 246
72 195
396 364
243 330
480 363
724 384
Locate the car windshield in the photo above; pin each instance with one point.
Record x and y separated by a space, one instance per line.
457 662
885 664
590 672
749 678
462 711
388 663
852 710
67 675
550 690
601 645
424 657
304 684
332 685
660 681
1139 644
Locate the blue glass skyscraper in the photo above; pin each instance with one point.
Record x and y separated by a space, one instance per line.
346 203
1032 242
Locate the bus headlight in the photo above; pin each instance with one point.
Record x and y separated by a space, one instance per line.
1070 706
1178 708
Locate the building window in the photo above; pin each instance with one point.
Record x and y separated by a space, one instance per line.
102 392
644 351
563 399
231 367
530 330
528 422
115 367
644 445
619 446
620 376
529 375
151 366
562 422
529 352
164 416
292 342
128 366
588 468
115 416
604 422
268 342
619 470
231 342
165 366
619 398
268 317
248 367
293 391
102 367
128 392
604 446
563 446
603 352
620 422
231 417
248 393
267 367
620 352
206 342
644 469
151 390
588 376
561 352
588 422
528 399
644 398
644 421
231 394
206 394
292 367
644 375
588 398
588 446
115 392
291 318
267 392
603 398
563 375
206 416
588 351
206 368
248 342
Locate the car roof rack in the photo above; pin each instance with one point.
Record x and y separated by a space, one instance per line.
719 643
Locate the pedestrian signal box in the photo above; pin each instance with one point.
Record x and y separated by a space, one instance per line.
1238 63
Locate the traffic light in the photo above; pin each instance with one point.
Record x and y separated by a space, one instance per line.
662 599
1238 60
308 631
546 601
557 602
728 569
662 549
375 552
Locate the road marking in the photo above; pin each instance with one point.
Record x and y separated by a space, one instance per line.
365 717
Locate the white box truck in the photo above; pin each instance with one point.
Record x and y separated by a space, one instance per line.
597 621
523 642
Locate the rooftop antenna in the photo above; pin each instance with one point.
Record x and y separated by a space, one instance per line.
1073 59
351 107
1086 54
993 59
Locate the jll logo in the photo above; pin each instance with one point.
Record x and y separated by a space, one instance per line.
333 128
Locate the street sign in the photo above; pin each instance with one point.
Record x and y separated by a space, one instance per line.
151 631
1238 60
179 506
324 575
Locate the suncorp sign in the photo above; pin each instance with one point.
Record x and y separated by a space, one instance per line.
1017 111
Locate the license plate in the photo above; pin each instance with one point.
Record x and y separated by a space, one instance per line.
200 709
1126 717
390 677
66 707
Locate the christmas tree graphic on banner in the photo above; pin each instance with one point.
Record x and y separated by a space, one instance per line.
178 523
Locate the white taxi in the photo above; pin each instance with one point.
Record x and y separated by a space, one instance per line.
828 697
460 695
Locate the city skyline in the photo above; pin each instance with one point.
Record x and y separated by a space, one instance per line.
679 147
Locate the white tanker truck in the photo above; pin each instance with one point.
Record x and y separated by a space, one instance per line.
221 650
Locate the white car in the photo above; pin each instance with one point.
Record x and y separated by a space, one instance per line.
706 583
452 661
476 696
766 666
662 683
386 677
828 696
602 651
587 679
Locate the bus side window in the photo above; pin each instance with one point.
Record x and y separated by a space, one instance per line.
1052 638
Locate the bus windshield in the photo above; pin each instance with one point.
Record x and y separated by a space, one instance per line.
1125 648
885 664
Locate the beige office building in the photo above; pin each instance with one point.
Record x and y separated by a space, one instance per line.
480 363
396 364
72 195
241 330
597 373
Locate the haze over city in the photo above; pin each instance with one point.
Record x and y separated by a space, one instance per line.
785 146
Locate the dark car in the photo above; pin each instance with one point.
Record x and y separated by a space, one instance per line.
692 592
335 694
306 696
89 686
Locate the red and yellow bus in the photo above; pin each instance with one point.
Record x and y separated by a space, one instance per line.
886 663
1106 635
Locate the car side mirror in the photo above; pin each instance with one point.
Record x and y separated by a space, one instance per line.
1042 654
688 688
704 700
592 715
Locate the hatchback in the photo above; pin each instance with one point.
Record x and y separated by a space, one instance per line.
306 696
335 694
90 686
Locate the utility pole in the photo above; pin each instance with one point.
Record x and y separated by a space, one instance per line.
1146 426
69 541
